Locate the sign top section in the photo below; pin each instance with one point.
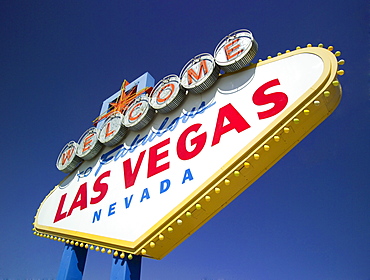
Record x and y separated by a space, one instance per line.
133 107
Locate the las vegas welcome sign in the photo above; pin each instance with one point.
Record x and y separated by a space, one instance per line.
163 159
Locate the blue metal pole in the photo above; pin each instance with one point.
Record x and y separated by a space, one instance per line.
126 269
73 263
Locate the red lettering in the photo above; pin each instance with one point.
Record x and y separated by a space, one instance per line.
198 141
59 215
154 157
86 143
192 74
67 155
80 199
100 187
236 121
133 118
130 176
279 99
172 88
108 131
229 51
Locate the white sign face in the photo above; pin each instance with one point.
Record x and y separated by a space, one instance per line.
112 130
233 48
167 94
129 194
68 159
138 114
88 145
199 73
236 50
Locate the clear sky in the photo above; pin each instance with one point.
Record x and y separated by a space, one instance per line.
306 218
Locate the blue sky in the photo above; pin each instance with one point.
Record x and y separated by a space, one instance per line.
306 218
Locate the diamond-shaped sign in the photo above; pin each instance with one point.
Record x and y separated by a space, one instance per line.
158 185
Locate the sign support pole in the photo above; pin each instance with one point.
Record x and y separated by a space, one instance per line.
126 269
73 263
